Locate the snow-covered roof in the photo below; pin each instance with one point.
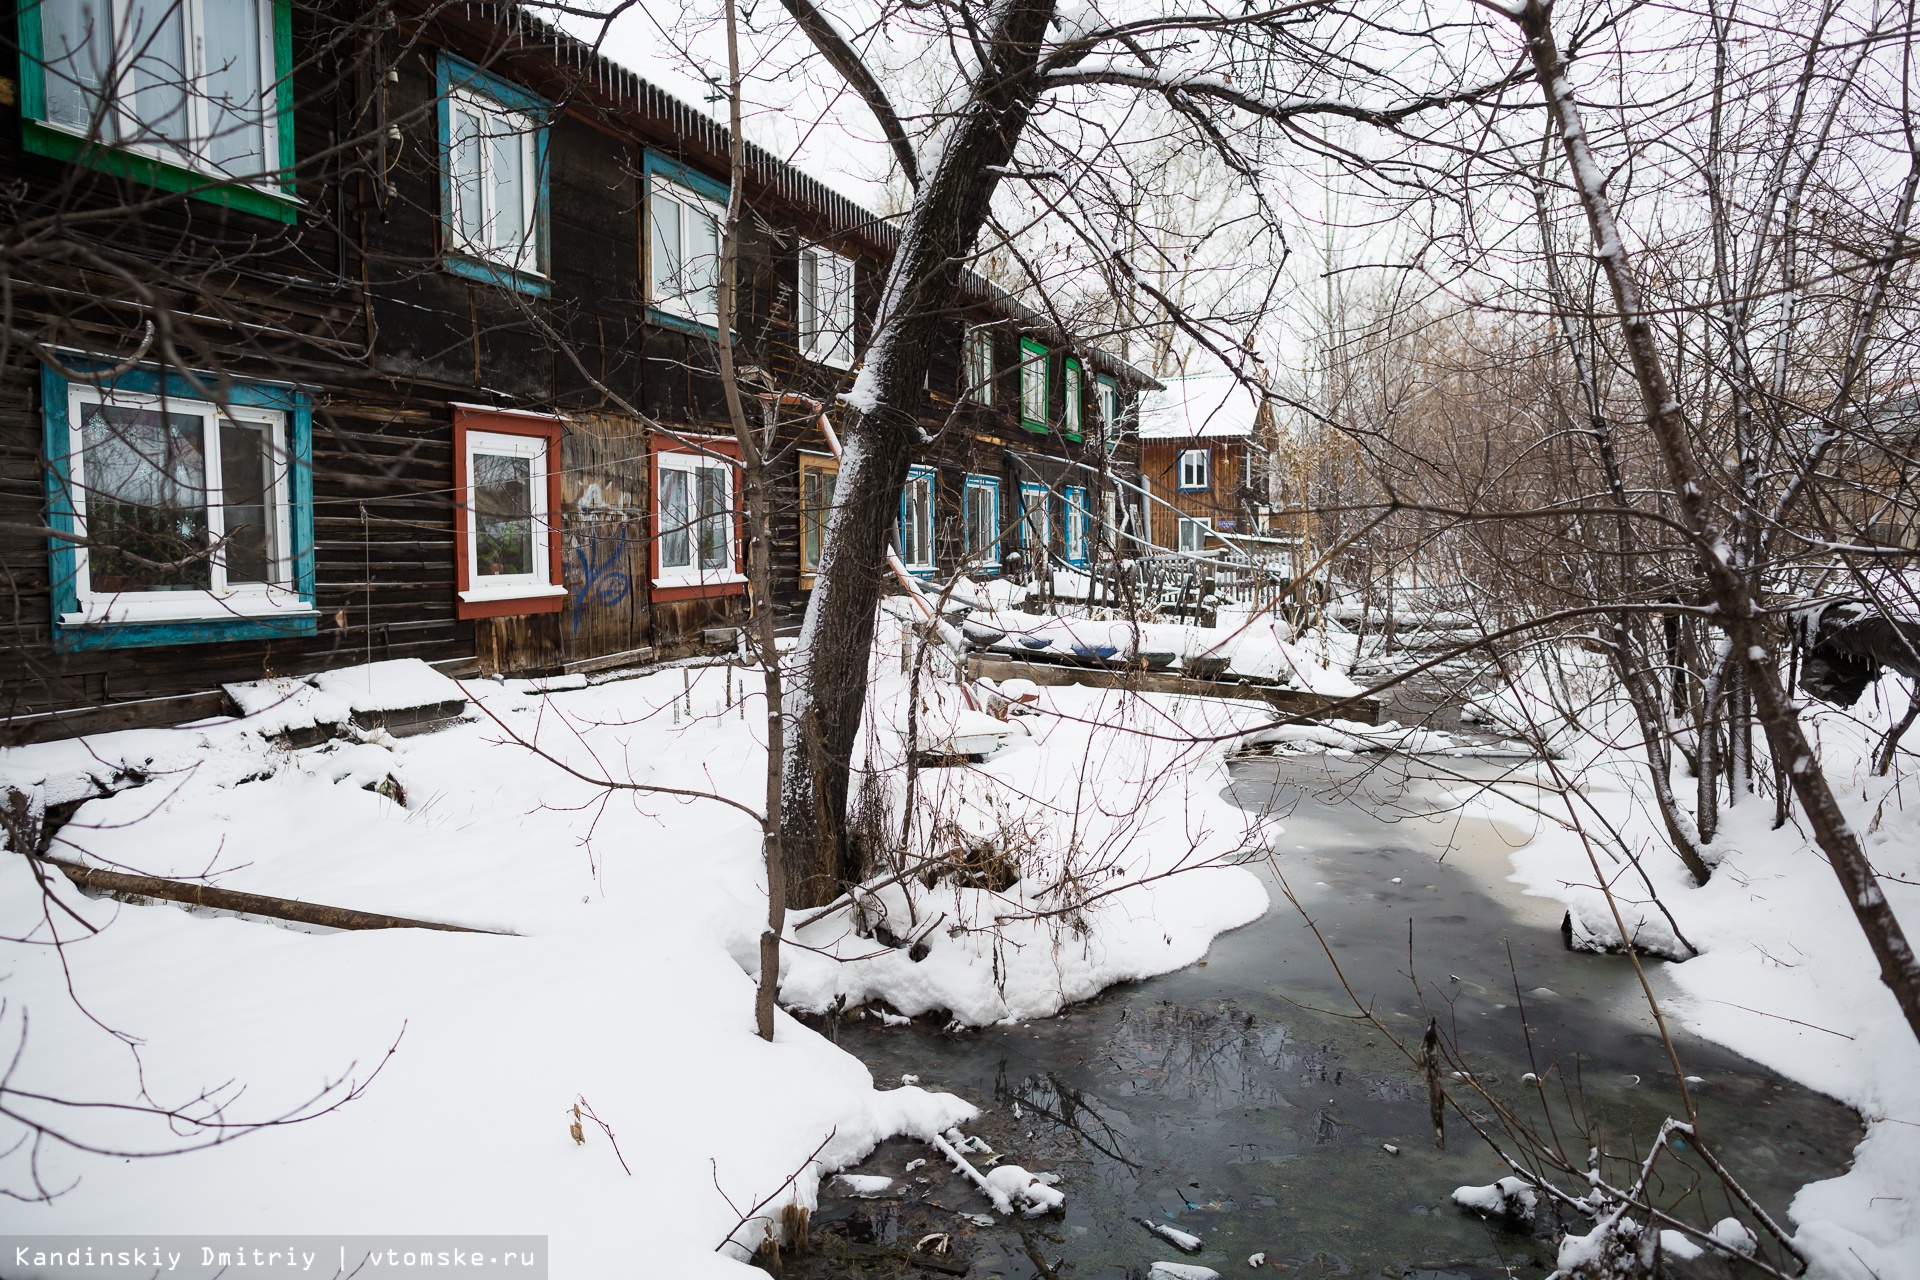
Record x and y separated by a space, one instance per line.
1206 406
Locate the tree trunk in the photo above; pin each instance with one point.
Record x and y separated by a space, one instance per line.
753 473
828 667
1726 587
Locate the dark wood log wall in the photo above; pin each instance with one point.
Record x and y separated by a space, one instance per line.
389 339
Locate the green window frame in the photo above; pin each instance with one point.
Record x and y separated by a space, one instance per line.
273 199
1035 366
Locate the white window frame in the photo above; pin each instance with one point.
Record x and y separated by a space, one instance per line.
1036 520
976 370
522 257
987 557
1075 519
538 583
686 200
920 557
1195 462
1107 396
1036 363
1076 395
826 331
692 575
1200 526
222 601
125 122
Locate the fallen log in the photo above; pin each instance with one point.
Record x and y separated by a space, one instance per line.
121 884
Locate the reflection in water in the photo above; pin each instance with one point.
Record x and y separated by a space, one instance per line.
1237 1102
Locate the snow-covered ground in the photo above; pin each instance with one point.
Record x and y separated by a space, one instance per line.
1784 976
628 982
629 979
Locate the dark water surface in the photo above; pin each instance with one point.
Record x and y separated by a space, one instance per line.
1241 1101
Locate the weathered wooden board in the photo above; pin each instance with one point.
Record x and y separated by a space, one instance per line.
604 533
1288 701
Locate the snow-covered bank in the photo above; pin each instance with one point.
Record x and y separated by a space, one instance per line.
1784 976
628 982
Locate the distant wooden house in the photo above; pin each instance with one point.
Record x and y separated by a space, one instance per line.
1203 443
446 381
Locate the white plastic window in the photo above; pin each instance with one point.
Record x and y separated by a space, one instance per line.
979 366
180 509
1036 522
826 307
916 521
982 521
694 504
508 524
684 267
493 182
1033 382
1075 397
1193 469
189 82
1109 402
1193 534
1076 525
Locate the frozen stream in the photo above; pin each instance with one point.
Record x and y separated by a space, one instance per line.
1232 1101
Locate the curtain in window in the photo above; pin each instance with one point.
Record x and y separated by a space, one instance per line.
676 545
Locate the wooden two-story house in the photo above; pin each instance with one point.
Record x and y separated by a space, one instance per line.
353 331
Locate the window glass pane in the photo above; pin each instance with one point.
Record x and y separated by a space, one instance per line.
468 174
509 185
713 517
145 474
1033 386
841 314
76 40
246 482
1073 399
156 33
676 541
231 45
816 499
503 514
666 250
981 518
809 301
703 261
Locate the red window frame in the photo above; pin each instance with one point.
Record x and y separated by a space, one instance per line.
694 444
494 422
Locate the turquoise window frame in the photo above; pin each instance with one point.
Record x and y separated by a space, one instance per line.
43 139
62 564
932 477
457 74
991 486
652 163
1029 349
1074 524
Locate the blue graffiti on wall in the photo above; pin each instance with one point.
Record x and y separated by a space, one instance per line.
601 583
